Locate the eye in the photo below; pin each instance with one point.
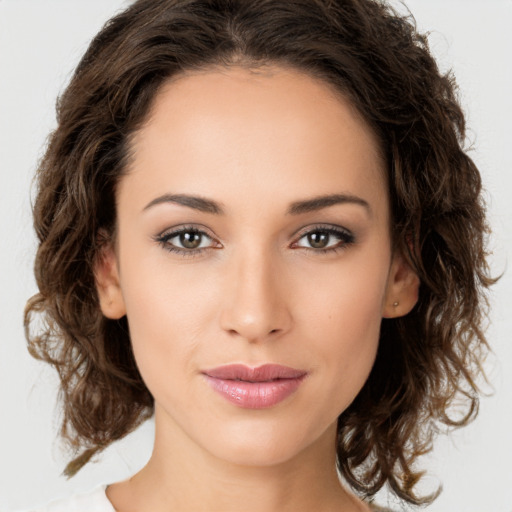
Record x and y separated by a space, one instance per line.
186 240
325 239
189 240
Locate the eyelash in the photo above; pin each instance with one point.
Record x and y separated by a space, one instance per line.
164 240
346 238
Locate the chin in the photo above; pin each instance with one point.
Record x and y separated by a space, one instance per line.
263 445
257 455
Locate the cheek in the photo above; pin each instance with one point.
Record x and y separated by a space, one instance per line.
165 316
342 320
349 339
346 298
165 337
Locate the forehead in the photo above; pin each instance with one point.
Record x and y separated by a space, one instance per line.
234 133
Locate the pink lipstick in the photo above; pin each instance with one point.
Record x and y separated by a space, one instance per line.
254 388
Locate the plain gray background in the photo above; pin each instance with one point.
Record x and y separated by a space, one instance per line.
40 43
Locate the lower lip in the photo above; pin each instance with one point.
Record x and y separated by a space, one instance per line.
254 395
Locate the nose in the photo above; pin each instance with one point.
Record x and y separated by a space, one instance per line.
255 305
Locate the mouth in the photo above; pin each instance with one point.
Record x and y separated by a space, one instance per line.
254 388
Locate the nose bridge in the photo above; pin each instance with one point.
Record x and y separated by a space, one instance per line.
255 307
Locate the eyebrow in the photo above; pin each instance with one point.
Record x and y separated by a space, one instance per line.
296 208
197 203
320 202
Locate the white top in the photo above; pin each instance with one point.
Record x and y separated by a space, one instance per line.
93 501
97 501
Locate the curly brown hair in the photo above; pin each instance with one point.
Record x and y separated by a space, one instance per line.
426 361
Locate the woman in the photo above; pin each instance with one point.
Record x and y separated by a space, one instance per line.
257 221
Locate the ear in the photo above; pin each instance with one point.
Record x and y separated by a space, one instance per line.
402 288
106 275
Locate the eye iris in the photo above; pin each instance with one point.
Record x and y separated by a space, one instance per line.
190 240
318 239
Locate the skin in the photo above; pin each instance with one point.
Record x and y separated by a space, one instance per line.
258 292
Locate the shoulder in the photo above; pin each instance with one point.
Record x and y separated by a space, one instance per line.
92 501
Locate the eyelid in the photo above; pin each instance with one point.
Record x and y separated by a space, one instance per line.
180 228
346 236
164 236
335 228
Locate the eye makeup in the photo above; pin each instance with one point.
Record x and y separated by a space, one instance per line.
190 240
324 238
187 241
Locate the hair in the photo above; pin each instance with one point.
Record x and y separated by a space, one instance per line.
425 375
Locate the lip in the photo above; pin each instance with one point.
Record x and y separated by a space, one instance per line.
254 388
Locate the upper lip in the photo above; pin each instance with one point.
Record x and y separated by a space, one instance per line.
263 373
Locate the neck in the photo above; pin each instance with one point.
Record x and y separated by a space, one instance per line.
181 475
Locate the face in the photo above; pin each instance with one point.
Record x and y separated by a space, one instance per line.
253 260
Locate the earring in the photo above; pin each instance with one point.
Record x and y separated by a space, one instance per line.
395 304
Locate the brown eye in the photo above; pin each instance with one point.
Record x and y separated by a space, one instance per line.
325 239
190 239
318 239
187 240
